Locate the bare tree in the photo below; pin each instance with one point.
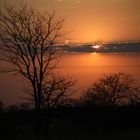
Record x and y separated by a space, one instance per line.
113 89
29 38
56 92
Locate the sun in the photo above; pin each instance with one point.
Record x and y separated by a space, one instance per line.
95 46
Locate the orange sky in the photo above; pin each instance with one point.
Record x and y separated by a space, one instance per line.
95 20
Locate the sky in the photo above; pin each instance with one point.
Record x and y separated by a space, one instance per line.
94 20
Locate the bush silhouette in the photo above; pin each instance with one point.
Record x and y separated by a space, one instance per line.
113 89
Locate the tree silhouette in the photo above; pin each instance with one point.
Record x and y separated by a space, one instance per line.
56 92
113 89
29 38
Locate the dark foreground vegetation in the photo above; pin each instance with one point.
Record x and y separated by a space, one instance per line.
74 123
109 109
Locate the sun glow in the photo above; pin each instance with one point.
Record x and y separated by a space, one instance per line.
95 46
